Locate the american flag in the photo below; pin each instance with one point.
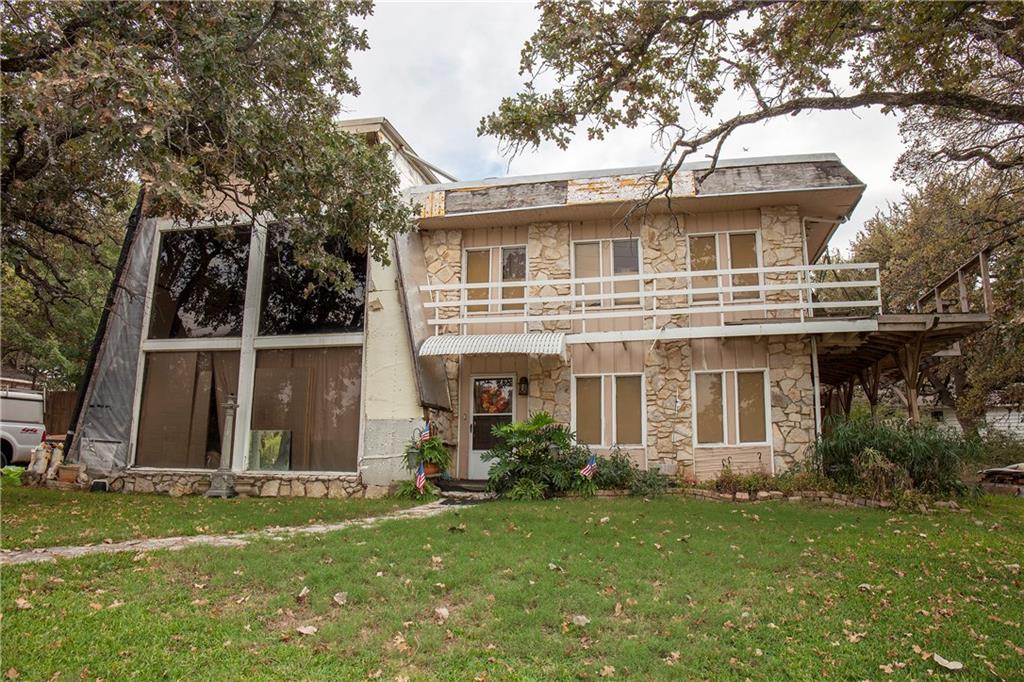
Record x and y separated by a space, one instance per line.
590 467
421 479
425 433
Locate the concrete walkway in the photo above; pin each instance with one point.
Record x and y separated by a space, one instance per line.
11 557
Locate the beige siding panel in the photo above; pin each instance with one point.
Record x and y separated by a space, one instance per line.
608 358
708 462
735 353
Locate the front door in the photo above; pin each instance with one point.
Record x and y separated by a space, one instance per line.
493 405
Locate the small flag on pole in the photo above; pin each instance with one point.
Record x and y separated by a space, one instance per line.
591 466
421 479
425 433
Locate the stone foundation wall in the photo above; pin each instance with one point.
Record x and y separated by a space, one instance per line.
178 484
792 396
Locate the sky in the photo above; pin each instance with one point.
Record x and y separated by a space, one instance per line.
434 69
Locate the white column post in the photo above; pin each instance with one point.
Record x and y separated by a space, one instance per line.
247 357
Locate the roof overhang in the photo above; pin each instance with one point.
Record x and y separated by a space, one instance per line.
819 184
535 343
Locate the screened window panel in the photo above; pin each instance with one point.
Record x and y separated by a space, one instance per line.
513 269
704 256
710 420
628 411
478 271
752 417
294 301
311 396
743 254
181 418
588 410
587 263
493 401
626 261
199 290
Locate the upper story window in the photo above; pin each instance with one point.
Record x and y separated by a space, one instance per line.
199 290
616 257
503 266
294 301
725 251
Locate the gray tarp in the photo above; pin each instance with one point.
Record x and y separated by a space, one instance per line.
103 431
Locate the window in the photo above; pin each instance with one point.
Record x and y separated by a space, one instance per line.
593 258
305 409
629 410
589 411
493 405
742 419
617 397
743 254
478 271
513 269
751 407
295 302
181 419
709 409
587 263
704 256
626 261
199 290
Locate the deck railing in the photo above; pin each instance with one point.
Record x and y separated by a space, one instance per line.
795 292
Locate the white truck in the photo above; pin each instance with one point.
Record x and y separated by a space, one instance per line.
21 425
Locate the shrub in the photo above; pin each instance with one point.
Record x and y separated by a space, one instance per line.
648 483
615 472
931 457
430 451
538 450
525 489
407 491
11 476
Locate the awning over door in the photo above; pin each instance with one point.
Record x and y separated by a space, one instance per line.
536 343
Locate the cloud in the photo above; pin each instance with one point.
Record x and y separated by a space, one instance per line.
434 69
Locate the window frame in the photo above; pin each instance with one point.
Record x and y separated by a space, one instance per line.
248 344
606 249
726 297
495 279
501 277
611 395
730 380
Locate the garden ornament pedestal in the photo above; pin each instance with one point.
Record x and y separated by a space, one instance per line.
222 481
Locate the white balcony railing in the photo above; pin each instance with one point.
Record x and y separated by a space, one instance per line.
795 292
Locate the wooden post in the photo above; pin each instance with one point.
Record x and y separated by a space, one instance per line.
909 362
965 306
870 379
986 285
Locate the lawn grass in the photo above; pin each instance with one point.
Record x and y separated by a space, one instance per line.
669 589
38 517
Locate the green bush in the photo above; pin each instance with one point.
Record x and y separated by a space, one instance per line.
407 490
931 457
430 451
11 476
648 483
615 472
539 450
525 489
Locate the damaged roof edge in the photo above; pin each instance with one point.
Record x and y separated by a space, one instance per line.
632 170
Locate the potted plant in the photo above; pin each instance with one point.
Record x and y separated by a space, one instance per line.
431 453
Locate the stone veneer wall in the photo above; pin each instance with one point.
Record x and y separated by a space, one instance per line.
256 485
664 247
547 253
792 395
669 409
442 253
781 244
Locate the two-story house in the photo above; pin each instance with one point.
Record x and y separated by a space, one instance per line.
692 330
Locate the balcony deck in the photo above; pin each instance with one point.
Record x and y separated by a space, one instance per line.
823 298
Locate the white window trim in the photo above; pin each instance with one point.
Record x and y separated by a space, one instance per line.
605 244
729 378
612 396
466 301
572 399
643 410
720 297
767 406
693 408
248 344
501 277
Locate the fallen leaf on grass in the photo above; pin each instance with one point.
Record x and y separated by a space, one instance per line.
23 604
672 658
13 674
340 598
1019 650
948 665
607 671
301 596
580 620
306 629
442 614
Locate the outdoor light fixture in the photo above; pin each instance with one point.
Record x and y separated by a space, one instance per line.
524 386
